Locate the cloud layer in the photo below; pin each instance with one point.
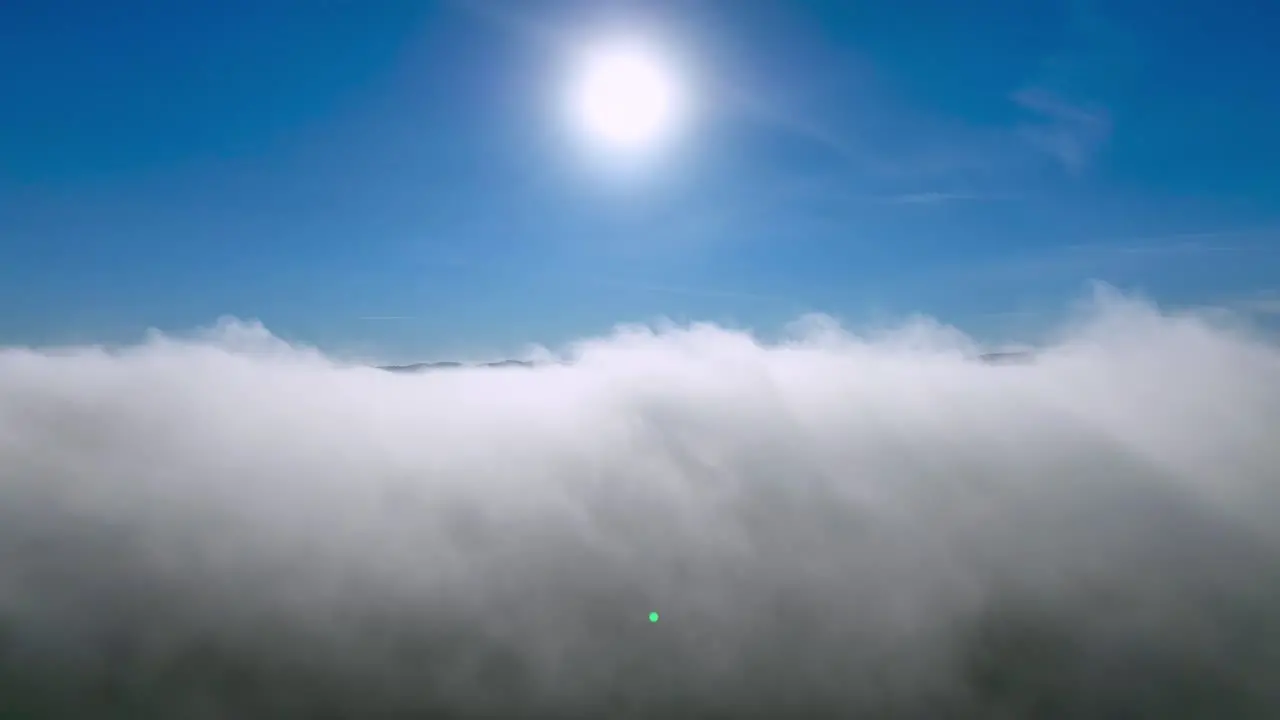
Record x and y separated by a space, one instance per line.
228 526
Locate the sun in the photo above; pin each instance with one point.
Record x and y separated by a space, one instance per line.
626 98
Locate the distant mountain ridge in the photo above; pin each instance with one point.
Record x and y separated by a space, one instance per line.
449 365
1018 357
993 358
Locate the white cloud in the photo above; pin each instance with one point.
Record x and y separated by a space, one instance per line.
833 524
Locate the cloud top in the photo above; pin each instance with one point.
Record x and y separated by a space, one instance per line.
226 525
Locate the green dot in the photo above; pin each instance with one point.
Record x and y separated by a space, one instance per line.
653 617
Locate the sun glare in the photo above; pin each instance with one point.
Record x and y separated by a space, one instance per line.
625 98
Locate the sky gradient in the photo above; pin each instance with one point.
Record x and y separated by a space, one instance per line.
390 178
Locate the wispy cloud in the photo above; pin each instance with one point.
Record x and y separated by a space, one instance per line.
1071 133
785 117
937 198
513 18
1101 259
688 291
1150 247
1180 243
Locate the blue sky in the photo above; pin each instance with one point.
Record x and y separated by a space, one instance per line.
317 164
